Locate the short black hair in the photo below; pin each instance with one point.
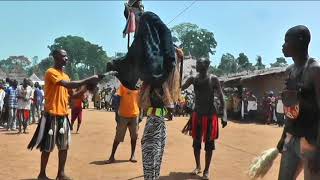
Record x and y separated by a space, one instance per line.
300 33
8 80
14 82
55 52
205 60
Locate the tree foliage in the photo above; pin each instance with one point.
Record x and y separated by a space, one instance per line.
259 65
280 62
195 41
243 63
215 70
228 64
40 69
85 58
13 62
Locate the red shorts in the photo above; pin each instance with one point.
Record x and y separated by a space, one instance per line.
205 127
24 113
76 113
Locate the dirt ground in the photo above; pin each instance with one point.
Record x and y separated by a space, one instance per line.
237 146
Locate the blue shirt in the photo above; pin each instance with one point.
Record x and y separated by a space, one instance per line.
39 96
12 97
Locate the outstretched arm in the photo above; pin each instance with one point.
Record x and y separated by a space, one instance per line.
76 84
187 83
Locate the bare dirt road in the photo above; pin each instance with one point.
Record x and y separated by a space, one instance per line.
236 147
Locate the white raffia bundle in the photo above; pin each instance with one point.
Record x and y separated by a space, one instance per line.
262 164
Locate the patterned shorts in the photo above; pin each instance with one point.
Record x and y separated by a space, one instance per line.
56 132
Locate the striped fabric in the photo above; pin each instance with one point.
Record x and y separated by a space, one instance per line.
12 99
153 144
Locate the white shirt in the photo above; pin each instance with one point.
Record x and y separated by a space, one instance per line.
280 107
252 105
26 94
2 95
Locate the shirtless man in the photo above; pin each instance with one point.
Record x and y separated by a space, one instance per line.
204 118
300 143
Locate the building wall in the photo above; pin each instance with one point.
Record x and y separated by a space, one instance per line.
261 84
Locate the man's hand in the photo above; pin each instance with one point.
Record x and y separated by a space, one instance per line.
224 123
109 67
314 162
95 79
110 73
170 114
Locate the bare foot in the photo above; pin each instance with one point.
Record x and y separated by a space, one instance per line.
110 161
43 177
205 175
64 177
133 159
196 171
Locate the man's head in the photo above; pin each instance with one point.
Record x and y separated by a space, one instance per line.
271 93
60 57
25 82
297 41
14 83
202 65
8 80
36 85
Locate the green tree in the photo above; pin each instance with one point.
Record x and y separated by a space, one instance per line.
180 30
85 58
35 60
243 63
280 62
228 64
14 61
195 41
41 68
215 70
259 65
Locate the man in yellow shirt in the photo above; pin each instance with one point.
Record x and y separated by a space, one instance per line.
54 127
128 116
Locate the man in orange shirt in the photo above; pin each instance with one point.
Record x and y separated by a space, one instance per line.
54 127
127 118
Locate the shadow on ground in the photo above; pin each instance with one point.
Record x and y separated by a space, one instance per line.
180 176
104 162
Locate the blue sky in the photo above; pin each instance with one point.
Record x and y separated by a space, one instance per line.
252 27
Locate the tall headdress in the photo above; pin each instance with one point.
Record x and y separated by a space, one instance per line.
133 10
